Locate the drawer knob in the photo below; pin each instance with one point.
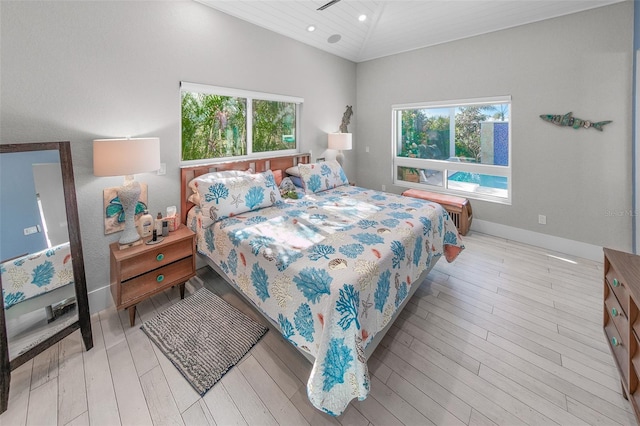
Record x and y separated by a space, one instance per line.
159 257
614 312
160 278
615 342
616 283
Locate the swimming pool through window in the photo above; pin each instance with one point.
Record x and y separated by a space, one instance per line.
462 147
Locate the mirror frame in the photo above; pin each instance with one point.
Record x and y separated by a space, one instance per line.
84 320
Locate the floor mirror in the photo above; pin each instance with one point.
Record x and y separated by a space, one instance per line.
42 274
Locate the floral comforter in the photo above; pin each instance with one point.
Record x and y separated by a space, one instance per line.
34 274
331 269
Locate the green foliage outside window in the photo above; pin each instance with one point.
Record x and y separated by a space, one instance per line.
424 136
274 125
426 132
468 132
215 126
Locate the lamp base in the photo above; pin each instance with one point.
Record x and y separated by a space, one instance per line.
129 194
340 157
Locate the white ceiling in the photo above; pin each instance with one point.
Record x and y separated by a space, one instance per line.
393 26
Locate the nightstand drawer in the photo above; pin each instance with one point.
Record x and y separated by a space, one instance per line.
137 289
155 258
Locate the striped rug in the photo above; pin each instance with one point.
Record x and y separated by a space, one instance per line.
204 337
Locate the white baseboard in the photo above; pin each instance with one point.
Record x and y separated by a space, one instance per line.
549 242
100 299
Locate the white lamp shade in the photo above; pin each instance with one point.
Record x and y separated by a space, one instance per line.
122 157
340 141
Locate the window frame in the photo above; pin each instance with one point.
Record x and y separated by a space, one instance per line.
249 96
443 165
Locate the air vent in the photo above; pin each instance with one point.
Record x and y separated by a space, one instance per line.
331 3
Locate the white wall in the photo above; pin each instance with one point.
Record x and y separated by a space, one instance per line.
580 179
83 70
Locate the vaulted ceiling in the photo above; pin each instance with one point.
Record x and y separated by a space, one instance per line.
393 26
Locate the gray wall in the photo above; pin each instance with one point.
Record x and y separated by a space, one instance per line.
84 70
580 179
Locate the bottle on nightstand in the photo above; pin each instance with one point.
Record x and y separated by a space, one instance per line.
158 224
145 226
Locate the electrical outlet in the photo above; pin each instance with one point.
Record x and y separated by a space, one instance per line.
366 149
31 230
542 219
384 187
163 169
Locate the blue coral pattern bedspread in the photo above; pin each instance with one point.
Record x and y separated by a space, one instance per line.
34 274
331 269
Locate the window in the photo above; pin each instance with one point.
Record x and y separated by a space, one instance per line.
220 123
458 147
274 125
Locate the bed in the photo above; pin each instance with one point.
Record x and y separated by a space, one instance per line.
330 270
37 280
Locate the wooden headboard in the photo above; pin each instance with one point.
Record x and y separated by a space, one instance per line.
258 165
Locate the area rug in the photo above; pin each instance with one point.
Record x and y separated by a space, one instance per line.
204 337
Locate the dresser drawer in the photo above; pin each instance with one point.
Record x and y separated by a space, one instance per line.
142 286
618 346
617 313
619 287
152 259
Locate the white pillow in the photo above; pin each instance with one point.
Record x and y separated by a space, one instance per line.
318 177
293 171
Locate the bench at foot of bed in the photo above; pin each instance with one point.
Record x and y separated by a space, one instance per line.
458 208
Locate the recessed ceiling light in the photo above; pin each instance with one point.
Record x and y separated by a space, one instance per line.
362 18
311 28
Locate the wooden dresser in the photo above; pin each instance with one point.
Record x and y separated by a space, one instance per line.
139 272
621 320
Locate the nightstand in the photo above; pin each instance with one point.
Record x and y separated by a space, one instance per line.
139 272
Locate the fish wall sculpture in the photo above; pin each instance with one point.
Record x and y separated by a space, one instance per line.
569 120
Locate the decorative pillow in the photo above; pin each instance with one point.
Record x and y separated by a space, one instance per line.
277 174
209 178
293 171
317 177
296 181
234 195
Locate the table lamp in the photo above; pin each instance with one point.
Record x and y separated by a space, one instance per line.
125 157
340 142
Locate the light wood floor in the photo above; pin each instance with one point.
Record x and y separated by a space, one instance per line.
508 334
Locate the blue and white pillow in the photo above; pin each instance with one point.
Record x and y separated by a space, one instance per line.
230 196
318 177
209 178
